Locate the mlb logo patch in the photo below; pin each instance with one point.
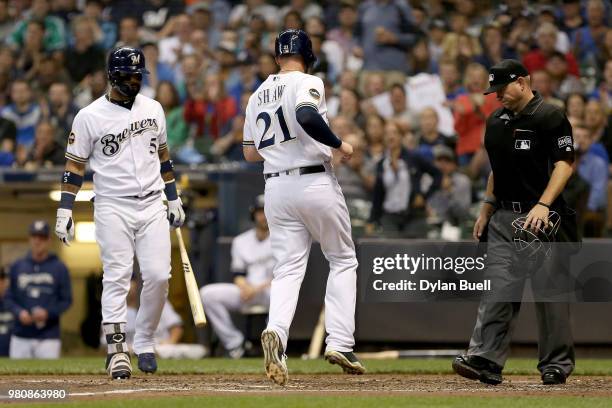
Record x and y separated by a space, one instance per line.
522 144
564 141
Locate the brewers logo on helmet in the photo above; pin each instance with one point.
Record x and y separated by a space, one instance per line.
295 42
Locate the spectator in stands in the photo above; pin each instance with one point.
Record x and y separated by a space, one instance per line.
128 33
375 137
587 40
293 21
546 37
241 13
158 71
385 32
306 8
229 146
60 110
398 204
266 66
7 23
420 60
603 93
252 265
471 111
202 19
105 31
342 126
451 203
8 136
39 293
571 16
355 182
91 88
45 151
540 82
428 134
451 79
6 317
52 27
595 121
494 49
219 9
562 82
191 69
8 72
594 170
437 31
176 128
574 108
84 57
49 71
547 14
349 107
23 111
461 48
344 34
32 51
402 114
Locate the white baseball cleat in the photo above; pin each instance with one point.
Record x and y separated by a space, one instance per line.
119 366
275 359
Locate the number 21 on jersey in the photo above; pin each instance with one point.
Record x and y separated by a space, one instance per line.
268 140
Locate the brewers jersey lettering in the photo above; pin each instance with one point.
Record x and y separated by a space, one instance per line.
271 125
120 145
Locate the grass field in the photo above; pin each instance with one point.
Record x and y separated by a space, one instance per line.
228 383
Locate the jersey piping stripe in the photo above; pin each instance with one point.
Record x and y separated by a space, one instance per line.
312 105
162 146
76 158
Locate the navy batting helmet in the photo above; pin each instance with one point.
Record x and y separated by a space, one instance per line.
123 62
295 42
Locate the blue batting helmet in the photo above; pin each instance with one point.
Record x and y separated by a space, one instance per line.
122 61
295 42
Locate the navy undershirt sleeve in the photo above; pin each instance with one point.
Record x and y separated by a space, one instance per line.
312 122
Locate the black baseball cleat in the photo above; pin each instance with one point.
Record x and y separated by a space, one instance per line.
147 363
274 357
347 360
478 368
119 366
553 376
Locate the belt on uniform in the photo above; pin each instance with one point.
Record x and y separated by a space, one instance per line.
516 206
301 170
144 196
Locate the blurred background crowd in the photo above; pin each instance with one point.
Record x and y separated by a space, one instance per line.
404 85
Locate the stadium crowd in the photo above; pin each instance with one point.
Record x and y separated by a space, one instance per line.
404 86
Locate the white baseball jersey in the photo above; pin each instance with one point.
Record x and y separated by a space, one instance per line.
271 125
253 257
120 145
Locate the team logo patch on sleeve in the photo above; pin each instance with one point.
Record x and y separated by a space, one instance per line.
314 93
564 141
71 137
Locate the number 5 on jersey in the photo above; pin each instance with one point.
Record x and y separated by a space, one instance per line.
265 116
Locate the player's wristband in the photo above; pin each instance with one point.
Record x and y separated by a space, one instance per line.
170 190
166 167
72 178
490 201
544 204
67 200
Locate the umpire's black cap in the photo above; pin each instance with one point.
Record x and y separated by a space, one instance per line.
507 71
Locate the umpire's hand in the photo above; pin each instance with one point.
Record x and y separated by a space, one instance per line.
537 218
176 215
486 210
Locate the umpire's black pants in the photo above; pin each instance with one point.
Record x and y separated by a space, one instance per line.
497 312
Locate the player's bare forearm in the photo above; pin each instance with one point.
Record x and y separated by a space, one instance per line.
251 154
75 168
164 156
489 195
558 179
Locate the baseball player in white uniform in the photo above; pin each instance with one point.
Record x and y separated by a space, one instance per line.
252 265
122 135
286 127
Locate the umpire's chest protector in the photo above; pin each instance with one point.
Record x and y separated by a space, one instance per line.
523 148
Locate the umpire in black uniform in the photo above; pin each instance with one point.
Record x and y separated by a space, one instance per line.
530 147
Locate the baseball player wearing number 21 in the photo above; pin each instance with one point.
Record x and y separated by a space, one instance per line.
122 135
286 127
